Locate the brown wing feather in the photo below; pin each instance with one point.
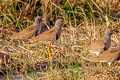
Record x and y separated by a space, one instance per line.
45 36
26 33
109 55
98 45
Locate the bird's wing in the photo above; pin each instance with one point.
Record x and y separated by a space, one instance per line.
106 56
25 34
45 36
97 45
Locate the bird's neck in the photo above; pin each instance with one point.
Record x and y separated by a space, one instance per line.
58 27
107 40
107 36
36 23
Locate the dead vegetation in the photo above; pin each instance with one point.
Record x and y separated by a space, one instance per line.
86 22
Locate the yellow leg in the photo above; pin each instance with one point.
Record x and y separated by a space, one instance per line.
28 46
49 53
28 49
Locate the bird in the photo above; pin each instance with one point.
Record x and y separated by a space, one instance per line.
101 44
29 31
50 35
109 56
45 25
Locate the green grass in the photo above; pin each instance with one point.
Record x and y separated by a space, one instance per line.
86 22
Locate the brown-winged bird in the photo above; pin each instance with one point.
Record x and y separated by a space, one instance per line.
101 44
45 25
50 35
107 56
29 31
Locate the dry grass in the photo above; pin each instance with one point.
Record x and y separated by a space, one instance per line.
86 22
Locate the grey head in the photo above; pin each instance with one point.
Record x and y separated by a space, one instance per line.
109 31
58 25
44 25
37 22
47 21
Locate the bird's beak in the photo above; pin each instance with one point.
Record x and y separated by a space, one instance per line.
64 22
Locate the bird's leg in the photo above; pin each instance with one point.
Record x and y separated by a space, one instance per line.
28 49
49 53
28 46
